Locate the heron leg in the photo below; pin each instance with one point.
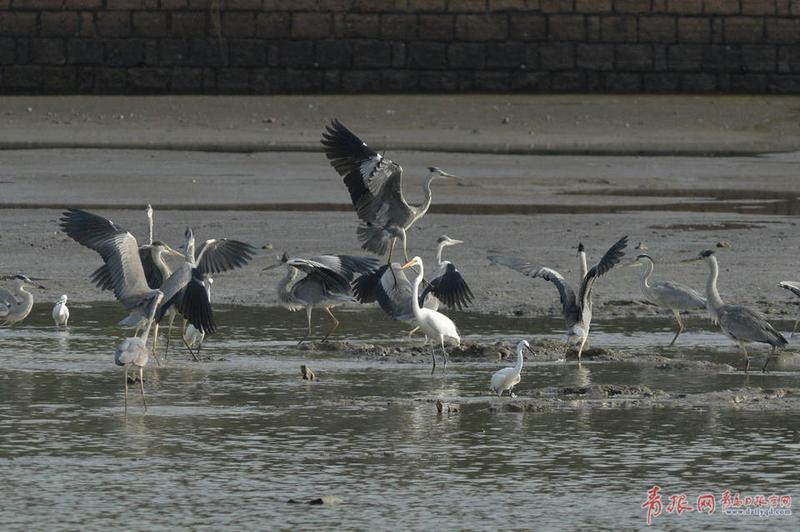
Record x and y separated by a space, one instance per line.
141 385
769 357
335 322
746 357
155 343
680 326
433 358
389 261
794 329
580 349
412 331
196 358
125 368
308 318
169 335
443 352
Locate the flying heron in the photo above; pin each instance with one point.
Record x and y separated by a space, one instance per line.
325 285
375 186
16 304
577 311
741 324
794 288
506 378
61 312
120 251
667 294
434 324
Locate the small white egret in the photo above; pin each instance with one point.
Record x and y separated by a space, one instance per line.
507 378
61 312
434 325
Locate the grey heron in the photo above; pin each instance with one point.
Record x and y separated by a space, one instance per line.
376 191
794 288
741 324
61 312
192 337
133 351
506 378
434 324
577 311
448 285
667 294
325 285
120 252
16 304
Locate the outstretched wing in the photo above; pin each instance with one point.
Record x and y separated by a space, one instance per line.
374 182
101 277
611 258
522 266
334 281
450 288
221 255
569 307
348 266
791 286
116 246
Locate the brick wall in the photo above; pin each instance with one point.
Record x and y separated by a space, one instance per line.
302 46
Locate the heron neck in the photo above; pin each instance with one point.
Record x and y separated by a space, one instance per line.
520 358
582 266
439 253
646 273
284 289
417 282
426 203
714 301
150 228
152 316
158 259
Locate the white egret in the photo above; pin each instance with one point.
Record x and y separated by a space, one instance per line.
507 378
434 324
61 312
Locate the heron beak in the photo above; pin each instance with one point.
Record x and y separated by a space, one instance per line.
453 241
451 176
412 262
174 252
272 266
530 350
691 261
634 263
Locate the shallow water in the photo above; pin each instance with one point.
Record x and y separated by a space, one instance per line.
227 442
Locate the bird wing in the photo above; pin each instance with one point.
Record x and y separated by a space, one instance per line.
569 307
366 285
750 325
791 286
348 266
151 272
679 296
374 182
186 291
116 246
220 255
522 266
396 298
611 257
450 288
333 281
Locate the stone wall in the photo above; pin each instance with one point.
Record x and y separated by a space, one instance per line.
352 46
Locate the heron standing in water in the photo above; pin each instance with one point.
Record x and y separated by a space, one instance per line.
507 378
741 324
376 190
61 312
667 294
434 325
16 304
325 285
577 311
794 288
